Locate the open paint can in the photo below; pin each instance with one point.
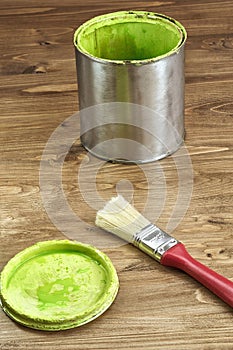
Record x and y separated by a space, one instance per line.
56 285
130 68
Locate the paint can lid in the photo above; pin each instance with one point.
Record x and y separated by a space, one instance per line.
58 284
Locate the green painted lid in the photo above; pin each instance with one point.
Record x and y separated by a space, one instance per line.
56 285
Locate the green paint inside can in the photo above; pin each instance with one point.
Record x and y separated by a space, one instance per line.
57 285
129 36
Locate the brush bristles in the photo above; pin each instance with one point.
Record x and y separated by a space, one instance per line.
120 218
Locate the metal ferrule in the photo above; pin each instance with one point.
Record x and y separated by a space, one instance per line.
153 241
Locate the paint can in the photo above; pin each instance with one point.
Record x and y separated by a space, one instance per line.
130 69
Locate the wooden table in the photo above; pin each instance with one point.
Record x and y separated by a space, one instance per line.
157 307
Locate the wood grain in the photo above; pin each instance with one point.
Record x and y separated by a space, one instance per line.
157 307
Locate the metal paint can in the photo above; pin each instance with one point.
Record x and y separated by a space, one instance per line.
130 68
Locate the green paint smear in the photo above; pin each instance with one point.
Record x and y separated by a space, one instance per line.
132 36
58 281
52 285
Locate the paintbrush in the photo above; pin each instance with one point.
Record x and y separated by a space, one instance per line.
122 219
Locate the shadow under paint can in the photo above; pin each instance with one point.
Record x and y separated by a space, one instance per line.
130 68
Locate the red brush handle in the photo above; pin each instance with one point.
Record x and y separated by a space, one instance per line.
178 257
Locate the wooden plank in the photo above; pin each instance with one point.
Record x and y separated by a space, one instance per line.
157 307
